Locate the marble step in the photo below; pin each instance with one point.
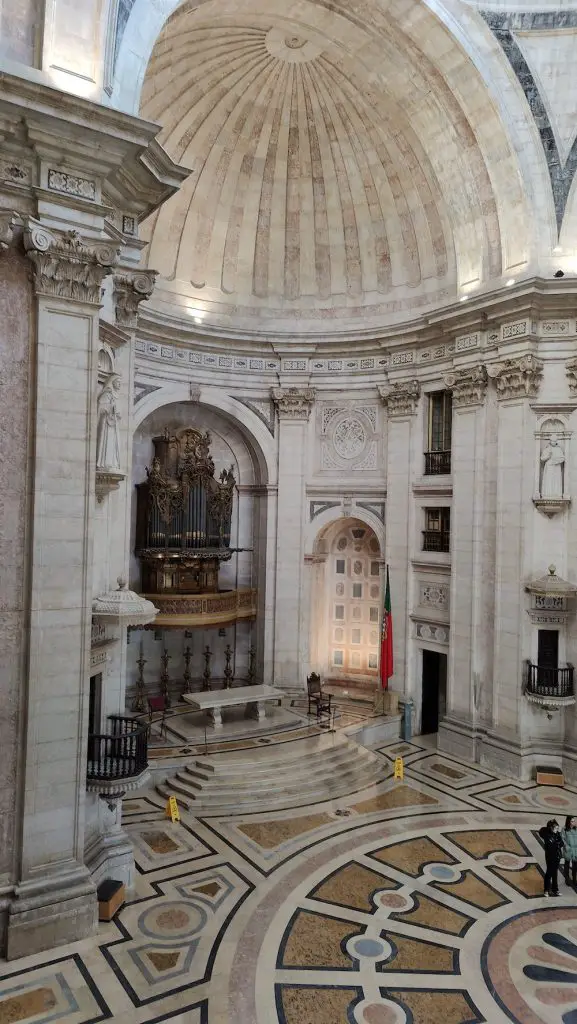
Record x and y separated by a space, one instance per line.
235 805
277 776
277 765
299 783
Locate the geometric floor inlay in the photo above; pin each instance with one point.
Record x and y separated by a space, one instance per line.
413 901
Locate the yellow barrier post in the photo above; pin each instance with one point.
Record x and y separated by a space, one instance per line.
399 772
172 810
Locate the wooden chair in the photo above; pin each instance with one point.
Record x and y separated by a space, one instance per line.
157 704
319 702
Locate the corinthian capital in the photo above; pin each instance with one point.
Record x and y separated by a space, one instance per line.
131 287
517 378
7 222
401 398
293 403
66 265
468 384
571 371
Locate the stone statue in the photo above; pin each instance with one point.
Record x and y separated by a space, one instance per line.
107 448
552 462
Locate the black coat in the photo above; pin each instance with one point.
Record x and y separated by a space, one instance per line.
553 844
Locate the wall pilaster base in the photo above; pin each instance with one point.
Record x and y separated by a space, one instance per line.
460 738
507 754
50 912
111 856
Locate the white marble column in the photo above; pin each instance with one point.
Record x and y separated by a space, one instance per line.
401 400
54 897
294 408
472 544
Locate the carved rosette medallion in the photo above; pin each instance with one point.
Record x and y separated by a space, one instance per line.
517 378
293 403
131 287
349 438
66 265
401 398
468 384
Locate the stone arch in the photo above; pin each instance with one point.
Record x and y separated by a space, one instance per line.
346 600
259 440
319 528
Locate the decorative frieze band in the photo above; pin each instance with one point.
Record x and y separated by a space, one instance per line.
517 378
131 287
468 384
293 403
66 265
401 398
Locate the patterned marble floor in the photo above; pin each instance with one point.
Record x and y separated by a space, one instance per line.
412 902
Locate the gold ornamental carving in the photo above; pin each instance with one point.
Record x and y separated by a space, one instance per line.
468 384
66 265
131 287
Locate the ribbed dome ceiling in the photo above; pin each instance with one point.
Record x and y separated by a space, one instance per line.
313 191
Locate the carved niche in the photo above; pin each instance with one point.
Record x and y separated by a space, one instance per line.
552 440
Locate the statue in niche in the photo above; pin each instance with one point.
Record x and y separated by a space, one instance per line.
552 468
107 447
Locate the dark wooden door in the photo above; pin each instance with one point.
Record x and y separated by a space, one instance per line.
547 657
430 696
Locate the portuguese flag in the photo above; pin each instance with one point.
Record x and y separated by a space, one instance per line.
387 639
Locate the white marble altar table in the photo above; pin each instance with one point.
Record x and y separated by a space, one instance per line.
213 701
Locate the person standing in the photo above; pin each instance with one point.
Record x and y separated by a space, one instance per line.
553 852
569 837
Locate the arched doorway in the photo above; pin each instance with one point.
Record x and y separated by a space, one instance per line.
347 598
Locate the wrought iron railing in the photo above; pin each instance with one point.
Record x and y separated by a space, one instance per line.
120 754
549 682
437 463
436 540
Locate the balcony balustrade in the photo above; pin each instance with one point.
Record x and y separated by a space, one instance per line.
436 540
437 463
551 683
119 756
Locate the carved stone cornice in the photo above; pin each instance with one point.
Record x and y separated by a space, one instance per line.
468 384
131 287
293 403
571 370
401 398
7 222
517 378
66 265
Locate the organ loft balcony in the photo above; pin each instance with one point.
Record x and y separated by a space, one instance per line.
183 531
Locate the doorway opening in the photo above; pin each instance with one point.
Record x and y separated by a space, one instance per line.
434 690
547 657
94 704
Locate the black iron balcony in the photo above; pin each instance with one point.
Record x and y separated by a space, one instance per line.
437 463
120 754
549 682
436 540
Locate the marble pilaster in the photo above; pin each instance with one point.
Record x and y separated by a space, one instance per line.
401 400
294 407
472 517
